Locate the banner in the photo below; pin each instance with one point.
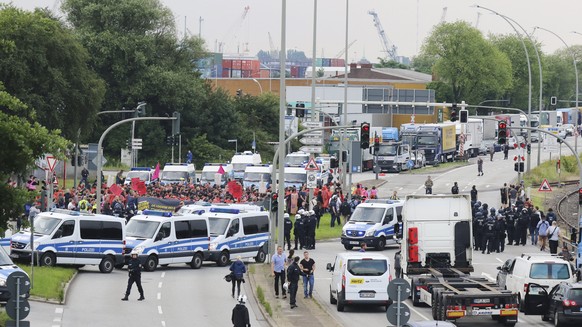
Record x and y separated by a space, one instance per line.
157 204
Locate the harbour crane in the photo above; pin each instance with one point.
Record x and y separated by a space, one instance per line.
388 48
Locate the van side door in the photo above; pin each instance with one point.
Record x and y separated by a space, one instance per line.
88 245
64 241
388 223
233 235
183 243
164 241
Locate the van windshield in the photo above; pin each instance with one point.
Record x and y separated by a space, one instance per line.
45 225
367 267
175 176
367 214
547 270
217 226
257 177
290 178
5 259
141 228
142 175
239 166
209 176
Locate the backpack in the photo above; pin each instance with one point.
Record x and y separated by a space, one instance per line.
345 208
543 229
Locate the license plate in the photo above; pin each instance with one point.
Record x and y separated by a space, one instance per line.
482 313
367 295
481 301
14 255
354 242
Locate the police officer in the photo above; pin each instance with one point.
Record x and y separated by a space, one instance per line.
478 226
298 231
310 227
489 238
134 269
500 227
523 224
240 313
510 225
287 227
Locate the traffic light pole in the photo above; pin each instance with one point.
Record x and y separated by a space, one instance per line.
100 152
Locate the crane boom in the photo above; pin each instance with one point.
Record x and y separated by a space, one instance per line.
345 49
390 50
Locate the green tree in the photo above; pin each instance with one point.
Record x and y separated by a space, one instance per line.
387 63
466 66
559 77
46 68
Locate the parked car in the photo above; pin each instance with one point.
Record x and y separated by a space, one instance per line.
563 304
569 128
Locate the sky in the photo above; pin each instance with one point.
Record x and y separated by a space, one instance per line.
406 23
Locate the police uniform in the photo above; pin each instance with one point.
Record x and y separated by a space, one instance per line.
310 226
478 225
299 232
287 227
489 238
134 269
510 225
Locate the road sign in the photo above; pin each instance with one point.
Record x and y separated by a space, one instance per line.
12 280
392 313
314 133
311 179
545 187
311 141
136 144
51 162
103 160
311 165
23 308
12 323
393 290
311 149
312 124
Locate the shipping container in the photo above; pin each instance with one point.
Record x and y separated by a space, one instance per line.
318 62
301 73
256 65
264 73
294 71
237 64
334 62
326 62
225 72
341 63
246 65
227 63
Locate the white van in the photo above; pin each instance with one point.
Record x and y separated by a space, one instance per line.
143 173
359 278
545 270
298 158
235 232
373 222
210 170
295 177
201 207
73 238
165 238
240 161
257 174
178 173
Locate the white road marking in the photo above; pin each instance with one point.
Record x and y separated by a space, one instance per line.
57 319
499 260
160 285
159 296
418 313
58 310
488 276
160 309
163 274
163 323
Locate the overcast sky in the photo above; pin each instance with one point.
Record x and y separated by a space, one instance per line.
406 22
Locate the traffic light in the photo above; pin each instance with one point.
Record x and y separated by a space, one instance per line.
376 144
453 115
464 116
365 135
170 140
127 144
274 202
519 167
529 148
333 163
344 156
580 196
501 132
300 110
176 123
80 160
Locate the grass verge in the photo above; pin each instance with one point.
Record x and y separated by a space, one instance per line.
263 302
441 167
49 282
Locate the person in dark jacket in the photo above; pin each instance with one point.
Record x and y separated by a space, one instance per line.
299 232
134 269
455 189
287 227
293 273
310 226
240 313
500 227
238 271
474 194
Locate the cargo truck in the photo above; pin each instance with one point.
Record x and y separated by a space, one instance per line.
473 134
436 141
437 259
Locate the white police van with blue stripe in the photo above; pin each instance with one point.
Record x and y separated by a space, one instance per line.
73 238
373 223
236 232
165 238
6 268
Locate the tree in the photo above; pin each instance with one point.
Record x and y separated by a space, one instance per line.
466 65
559 77
46 68
388 63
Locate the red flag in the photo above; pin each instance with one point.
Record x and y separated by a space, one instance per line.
134 182
221 170
115 189
156 174
235 189
141 188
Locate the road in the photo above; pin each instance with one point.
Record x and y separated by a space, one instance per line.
180 296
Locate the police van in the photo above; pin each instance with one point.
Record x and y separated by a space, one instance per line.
373 222
6 268
143 173
236 232
164 238
73 238
205 206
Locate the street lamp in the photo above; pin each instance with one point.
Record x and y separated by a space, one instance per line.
259 84
485 101
235 141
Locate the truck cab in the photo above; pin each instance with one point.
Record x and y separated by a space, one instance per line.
240 161
210 171
178 174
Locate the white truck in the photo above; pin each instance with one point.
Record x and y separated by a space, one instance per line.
473 135
210 173
240 161
437 258
178 173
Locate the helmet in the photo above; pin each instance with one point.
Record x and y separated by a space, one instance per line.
492 210
286 286
301 211
297 216
479 214
524 210
134 252
312 212
242 299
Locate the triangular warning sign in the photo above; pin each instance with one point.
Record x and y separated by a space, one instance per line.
51 162
545 187
311 165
